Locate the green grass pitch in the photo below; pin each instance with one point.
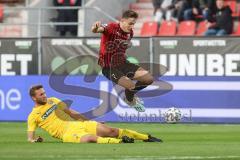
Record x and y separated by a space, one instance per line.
181 141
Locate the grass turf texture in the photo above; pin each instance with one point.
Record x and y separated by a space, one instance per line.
181 141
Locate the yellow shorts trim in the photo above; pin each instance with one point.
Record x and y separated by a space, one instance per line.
78 129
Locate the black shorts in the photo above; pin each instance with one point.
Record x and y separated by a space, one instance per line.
115 73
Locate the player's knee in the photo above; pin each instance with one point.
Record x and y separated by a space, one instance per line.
88 139
113 132
126 83
130 86
149 79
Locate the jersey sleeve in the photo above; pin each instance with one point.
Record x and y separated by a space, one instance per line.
61 105
32 125
108 28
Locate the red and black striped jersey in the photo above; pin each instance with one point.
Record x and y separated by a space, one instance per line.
114 43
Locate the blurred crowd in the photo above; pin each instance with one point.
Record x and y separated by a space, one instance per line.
67 15
217 15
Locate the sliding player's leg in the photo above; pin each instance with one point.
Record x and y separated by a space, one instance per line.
106 131
101 131
85 137
85 132
88 138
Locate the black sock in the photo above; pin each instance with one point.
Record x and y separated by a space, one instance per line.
139 86
130 93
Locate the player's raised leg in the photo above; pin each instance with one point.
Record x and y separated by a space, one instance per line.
144 78
129 92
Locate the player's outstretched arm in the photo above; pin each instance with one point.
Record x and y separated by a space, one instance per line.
32 139
75 115
97 27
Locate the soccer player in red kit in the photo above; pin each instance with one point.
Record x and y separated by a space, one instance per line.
116 38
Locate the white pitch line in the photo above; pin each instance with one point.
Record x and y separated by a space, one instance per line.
181 157
128 157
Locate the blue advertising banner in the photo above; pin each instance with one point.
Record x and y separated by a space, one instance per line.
204 99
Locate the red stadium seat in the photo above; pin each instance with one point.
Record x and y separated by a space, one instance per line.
149 29
168 28
233 5
202 27
237 31
186 28
238 11
1 13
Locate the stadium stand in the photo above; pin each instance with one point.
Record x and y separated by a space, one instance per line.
237 30
186 28
11 17
238 11
12 1
168 28
233 5
141 5
1 12
201 28
145 10
145 21
149 29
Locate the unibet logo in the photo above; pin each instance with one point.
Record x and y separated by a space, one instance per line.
201 64
9 61
23 44
168 44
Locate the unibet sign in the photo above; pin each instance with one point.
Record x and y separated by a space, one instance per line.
201 64
10 100
8 60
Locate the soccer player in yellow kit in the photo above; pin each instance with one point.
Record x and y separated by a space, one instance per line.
53 115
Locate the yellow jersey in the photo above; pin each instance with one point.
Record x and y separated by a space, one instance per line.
50 117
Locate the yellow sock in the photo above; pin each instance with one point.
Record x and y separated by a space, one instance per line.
108 140
132 134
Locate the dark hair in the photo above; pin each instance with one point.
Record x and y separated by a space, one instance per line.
129 14
33 89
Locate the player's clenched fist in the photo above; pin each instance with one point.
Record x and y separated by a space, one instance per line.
97 27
